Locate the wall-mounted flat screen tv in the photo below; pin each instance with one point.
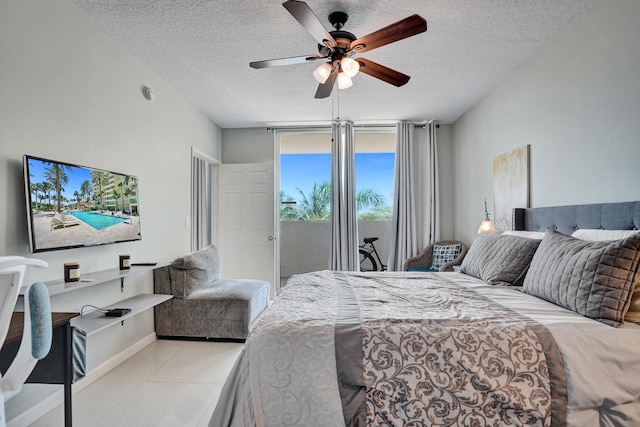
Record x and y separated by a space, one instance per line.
72 206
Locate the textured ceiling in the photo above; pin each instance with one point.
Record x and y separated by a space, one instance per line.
203 49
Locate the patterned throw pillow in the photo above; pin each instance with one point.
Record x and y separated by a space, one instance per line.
443 254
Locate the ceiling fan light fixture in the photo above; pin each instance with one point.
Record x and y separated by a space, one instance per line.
349 66
337 47
322 73
344 81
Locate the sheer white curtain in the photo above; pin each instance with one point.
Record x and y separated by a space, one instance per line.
415 223
344 225
202 199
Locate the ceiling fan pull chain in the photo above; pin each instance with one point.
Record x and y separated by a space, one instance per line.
338 105
335 105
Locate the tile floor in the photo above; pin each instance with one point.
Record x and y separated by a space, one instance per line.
168 383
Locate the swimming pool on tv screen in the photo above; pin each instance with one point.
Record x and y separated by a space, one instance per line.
98 221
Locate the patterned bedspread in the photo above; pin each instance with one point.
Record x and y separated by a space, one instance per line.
340 348
444 355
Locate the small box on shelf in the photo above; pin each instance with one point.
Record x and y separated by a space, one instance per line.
125 262
71 271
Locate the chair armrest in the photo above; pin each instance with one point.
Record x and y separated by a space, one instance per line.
423 260
162 281
448 266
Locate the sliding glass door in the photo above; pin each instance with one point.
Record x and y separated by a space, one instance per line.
305 198
375 156
305 194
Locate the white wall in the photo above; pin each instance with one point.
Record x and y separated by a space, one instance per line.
69 93
251 145
576 102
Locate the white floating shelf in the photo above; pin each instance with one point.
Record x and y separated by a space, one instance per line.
87 280
96 321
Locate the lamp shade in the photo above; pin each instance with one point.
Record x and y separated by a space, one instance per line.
486 227
344 81
322 73
349 66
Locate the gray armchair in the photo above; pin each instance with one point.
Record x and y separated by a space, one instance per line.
203 305
447 254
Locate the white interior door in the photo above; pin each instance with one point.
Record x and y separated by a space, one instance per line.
247 228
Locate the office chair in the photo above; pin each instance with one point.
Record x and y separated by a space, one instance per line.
37 332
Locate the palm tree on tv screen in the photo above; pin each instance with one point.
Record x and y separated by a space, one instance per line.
85 191
116 195
47 187
77 197
100 179
123 186
35 188
56 173
129 191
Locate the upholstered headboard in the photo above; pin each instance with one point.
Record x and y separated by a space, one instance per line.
567 219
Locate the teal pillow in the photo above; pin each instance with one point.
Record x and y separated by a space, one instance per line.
443 254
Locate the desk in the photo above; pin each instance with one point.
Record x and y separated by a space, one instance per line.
58 320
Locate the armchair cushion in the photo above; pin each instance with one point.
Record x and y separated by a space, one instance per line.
424 261
194 271
443 254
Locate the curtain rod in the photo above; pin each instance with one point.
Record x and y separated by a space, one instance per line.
321 128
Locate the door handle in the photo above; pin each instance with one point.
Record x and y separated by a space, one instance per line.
271 238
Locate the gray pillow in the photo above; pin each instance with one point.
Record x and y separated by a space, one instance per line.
594 279
194 271
499 259
633 313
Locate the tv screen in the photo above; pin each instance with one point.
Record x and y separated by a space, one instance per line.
71 206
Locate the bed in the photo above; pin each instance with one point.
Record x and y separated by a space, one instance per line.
539 329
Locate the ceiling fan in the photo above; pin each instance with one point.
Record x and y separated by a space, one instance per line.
338 48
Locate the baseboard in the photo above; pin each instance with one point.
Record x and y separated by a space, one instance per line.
36 400
112 362
33 401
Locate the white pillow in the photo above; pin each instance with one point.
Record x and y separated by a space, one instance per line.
528 234
596 235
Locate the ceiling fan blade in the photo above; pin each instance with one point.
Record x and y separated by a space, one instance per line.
305 16
324 89
383 73
284 61
415 24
